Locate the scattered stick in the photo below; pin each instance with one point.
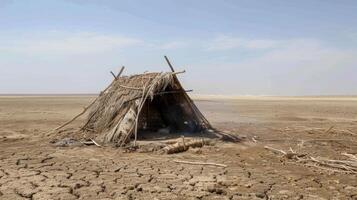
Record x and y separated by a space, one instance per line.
346 166
199 163
350 132
291 150
254 140
304 141
289 155
351 156
301 144
96 144
328 130
275 150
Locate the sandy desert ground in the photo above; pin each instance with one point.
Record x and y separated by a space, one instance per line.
33 168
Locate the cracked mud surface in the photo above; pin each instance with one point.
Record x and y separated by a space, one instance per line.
32 168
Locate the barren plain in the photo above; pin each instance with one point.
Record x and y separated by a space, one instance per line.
322 127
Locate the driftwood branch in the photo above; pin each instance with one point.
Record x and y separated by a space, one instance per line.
199 163
183 146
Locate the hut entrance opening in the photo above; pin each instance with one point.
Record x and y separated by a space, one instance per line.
168 113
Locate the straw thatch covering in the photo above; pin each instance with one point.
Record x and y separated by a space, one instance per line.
149 101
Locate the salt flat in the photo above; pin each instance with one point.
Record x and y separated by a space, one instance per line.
32 168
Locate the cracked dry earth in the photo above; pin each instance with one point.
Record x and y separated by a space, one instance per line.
32 168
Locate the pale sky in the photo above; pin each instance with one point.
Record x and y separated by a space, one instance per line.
230 47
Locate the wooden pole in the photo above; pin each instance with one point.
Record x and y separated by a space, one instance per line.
169 63
118 75
115 77
121 71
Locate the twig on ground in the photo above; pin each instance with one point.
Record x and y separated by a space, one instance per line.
285 154
96 144
350 132
305 141
254 140
328 130
275 150
199 163
301 144
351 156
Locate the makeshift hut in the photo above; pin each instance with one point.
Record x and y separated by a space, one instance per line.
136 104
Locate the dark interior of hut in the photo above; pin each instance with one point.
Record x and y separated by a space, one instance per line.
168 114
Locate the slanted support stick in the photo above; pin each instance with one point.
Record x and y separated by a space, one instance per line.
115 77
121 71
95 100
169 63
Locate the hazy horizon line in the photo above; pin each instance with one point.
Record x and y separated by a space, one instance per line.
193 94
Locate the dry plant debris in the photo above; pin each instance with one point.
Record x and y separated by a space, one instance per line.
346 166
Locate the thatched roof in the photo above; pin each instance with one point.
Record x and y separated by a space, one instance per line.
116 114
